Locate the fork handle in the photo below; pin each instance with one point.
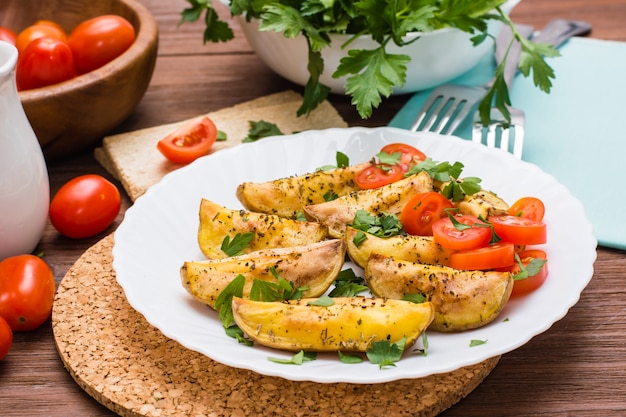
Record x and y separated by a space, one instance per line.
558 31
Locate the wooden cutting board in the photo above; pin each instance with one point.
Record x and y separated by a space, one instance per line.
131 368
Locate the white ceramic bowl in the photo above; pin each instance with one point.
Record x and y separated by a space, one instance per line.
437 57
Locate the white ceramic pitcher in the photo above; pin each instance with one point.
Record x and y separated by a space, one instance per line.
24 184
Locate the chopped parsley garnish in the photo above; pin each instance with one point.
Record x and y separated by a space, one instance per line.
381 225
530 270
261 129
236 246
384 353
348 284
297 359
477 342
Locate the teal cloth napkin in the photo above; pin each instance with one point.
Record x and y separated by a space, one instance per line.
576 133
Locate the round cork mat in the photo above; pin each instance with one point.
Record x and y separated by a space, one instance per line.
131 368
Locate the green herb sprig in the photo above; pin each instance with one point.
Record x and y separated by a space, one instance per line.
373 74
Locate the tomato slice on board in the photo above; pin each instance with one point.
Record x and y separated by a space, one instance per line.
496 255
529 208
422 211
530 284
189 142
409 153
451 236
519 230
377 175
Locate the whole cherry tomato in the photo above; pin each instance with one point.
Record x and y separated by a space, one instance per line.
36 31
85 206
26 291
8 35
6 338
45 61
100 40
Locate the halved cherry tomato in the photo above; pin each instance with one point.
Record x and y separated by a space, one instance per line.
530 284
6 338
36 31
85 206
496 255
45 61
189 142
519 230
529 208
8 35
100 40
474 233
26 291
408 152
422 211
377 175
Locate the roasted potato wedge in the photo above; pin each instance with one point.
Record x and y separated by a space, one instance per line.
421 249
270 231
286 197
315 265
336 214
463 300
350 324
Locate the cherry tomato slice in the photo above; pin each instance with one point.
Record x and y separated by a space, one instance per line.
97 41
6 338
189 142
496 255
409 153
529 208
26 291
45 61
449 236
519 230
8 35
36 31
422 211
85 206
377 175
530 284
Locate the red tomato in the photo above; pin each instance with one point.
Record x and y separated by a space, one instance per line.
409 153
45 61
422 211
497 255
449 236
529 208
189 142
530 284
84 206
26 291
519 230
377 175
6 338
36 31
100 40
8 35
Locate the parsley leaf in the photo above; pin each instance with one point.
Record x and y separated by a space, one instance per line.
530 270
238 243
223 302
348 284
324 301
476 342
261 129
297 359
344 358
216 30
381 225
279 290
384 353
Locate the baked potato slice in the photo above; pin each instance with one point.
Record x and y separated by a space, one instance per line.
286 197
391 198
270 231
350 324
463 300
421 249
315 266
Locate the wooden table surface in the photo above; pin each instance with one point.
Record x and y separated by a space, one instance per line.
577 367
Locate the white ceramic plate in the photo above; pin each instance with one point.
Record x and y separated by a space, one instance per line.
159 233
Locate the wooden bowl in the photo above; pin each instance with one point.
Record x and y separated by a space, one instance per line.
73 116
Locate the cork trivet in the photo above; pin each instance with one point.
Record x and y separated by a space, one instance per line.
131 368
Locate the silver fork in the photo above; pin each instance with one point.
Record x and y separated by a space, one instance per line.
448 105
509 135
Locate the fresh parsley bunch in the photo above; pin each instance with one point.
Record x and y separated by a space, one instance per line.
373 74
